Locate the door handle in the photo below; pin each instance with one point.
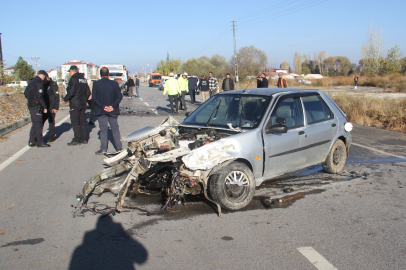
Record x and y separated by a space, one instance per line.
301 132
333 125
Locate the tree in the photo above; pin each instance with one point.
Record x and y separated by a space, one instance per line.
306 70
392 62
23 71
219 64
285 65
403 65
168 66
322 57
250 60
297 62
372 51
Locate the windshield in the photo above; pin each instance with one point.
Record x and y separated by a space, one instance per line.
241 110
156 77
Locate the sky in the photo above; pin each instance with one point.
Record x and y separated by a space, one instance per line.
138 34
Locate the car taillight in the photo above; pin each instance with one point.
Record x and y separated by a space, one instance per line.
346 118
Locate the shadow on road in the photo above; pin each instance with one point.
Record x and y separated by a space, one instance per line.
59 130
108 247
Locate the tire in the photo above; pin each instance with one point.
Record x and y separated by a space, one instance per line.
232 196
336 158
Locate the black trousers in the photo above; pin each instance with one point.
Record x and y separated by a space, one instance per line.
171 99
182 100
91 105
78 121
192 95
51 122
36 127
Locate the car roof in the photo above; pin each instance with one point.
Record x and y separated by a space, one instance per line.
267 91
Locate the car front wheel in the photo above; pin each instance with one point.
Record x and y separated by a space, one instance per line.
336 158
233 187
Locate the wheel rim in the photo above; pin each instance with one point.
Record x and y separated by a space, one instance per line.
236 185
338 155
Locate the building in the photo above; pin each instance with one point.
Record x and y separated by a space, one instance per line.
86 68
53 73
8 71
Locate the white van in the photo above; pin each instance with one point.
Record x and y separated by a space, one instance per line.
16 84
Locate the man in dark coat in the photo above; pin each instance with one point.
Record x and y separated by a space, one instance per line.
130 87
228 83
137 85
192 85
107 97
51 98
262 81
36 106
78 92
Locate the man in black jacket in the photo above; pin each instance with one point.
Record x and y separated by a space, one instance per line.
130 87
77 94
192 85
107 97
137 85
204 88
36 106
51 98
262 81
228 83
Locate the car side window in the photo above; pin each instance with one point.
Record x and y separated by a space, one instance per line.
291 110
316 109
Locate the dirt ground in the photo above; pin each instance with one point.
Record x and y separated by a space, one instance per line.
13 108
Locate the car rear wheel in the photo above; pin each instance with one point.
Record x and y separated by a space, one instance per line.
233 187
336 158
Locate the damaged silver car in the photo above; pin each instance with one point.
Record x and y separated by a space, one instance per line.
228 146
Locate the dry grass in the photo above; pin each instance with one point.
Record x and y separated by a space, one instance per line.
387 113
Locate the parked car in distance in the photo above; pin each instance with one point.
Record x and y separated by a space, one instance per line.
161 85
229 145
16 84
304 81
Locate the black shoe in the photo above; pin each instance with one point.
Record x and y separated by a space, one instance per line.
43 145
51 139
100 152
32 144
72 143
91 123
83 141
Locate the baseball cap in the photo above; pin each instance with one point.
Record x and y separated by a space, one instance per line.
73 67
171 74
43 72
185 74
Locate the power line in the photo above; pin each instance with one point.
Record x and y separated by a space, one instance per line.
235 54
36 66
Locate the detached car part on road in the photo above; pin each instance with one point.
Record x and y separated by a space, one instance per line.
228 146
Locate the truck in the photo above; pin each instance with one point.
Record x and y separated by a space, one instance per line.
154 79
117 73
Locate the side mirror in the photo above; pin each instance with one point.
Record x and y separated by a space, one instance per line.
277 129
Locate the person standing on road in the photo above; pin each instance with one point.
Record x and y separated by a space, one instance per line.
51 98
213 84
192 85
204 88
356 82
263 81
137 85
107 97
282 83
36 106
183 86
130 87
78 92
228 83
173 90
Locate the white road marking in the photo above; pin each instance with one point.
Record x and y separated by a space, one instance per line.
377 150
141 99
25 149
146 104
316 259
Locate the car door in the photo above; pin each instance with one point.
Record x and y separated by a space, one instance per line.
321 127
281 150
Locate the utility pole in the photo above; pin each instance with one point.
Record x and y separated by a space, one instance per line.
36 66
235 55
1 63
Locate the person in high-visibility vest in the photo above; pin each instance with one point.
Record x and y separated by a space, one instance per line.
282 83
172 88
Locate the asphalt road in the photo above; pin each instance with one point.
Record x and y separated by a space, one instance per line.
354 220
